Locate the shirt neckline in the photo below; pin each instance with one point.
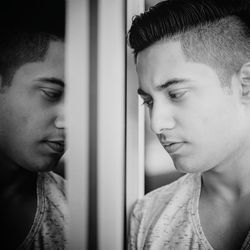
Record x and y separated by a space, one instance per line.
195 214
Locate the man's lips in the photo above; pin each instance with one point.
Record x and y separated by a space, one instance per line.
172 147
56 145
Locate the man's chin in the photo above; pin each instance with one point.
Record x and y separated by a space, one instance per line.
43 165
186 165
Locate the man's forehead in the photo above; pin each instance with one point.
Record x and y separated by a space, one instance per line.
158 59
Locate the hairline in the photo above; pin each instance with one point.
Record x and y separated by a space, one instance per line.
224 73
7 82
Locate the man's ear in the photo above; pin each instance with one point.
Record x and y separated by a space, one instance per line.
244 78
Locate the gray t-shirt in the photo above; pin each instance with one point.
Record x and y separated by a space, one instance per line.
51 219
168 218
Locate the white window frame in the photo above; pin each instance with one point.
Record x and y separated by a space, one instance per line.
119 148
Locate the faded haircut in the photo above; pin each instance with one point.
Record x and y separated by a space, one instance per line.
26 30
214 33
20 48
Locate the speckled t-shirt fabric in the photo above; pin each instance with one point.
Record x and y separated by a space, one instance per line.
51 219
167 218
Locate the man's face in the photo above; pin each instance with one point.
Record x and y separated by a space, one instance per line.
200 124
31 113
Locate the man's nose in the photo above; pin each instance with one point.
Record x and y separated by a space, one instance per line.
60 118
162 118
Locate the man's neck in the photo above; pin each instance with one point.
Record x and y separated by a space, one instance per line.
15 180
229 182
225 201
18 197
230 179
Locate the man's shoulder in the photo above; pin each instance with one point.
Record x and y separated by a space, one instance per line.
54 186
171 200
51 222
56 205
170 189
177 192
55 178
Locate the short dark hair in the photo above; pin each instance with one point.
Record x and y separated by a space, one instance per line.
26 30
19 48
213 32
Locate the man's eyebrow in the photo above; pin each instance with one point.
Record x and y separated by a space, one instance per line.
172 82
53 80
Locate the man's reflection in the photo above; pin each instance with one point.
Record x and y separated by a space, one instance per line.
32 134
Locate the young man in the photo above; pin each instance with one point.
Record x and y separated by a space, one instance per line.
33 211
193 63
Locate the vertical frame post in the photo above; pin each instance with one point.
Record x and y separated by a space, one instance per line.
77 114
135 157
111 124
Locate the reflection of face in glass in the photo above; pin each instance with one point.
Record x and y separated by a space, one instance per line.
199 123
31 113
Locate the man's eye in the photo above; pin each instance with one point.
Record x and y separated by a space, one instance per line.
175 95
52 94
148 102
